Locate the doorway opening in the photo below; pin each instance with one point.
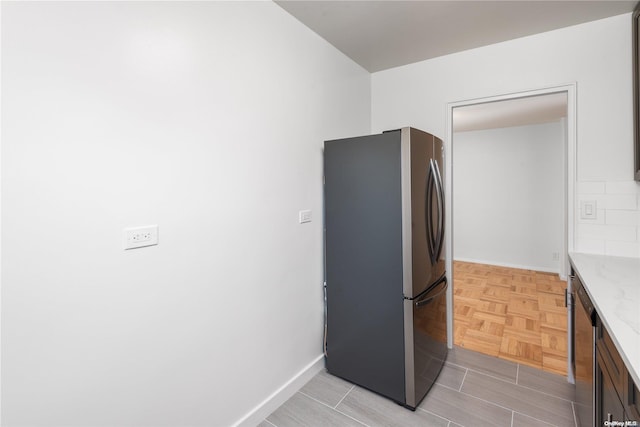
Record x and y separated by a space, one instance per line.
509 227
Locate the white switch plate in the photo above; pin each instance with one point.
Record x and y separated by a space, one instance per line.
304 216
588 209
139 237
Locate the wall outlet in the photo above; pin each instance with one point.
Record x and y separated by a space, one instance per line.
139 237
304 216
555 256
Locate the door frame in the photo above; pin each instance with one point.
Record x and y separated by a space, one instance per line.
570 179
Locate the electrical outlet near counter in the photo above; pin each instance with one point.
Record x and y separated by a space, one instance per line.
304 216
140 237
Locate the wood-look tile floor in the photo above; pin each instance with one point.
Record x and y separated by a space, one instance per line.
472 390
514 314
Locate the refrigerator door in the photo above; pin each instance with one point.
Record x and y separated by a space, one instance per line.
434 214
438 163
428 336
423 210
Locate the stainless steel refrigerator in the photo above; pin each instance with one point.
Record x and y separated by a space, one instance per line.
384 262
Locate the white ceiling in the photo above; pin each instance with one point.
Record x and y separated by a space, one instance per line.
380 34
384 34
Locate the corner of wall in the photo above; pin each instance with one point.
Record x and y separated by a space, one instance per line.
281 395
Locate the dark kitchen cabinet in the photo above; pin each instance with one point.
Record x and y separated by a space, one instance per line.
616 395
632 400
608 403
609 356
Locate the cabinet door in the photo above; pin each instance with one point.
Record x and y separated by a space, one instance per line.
610 357
632 400
608 404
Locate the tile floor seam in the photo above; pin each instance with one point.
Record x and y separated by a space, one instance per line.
446 362
500 406
345 395
354 419
546 394
269 422
466 371
479 398
482 372
523 386
334 409
434 414
488 375
575 416
512 415
315 400
529 416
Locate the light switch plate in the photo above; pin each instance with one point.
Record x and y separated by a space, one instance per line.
139 237
588 209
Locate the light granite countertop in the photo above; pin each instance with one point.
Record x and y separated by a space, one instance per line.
613 283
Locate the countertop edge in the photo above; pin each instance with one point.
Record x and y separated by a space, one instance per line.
606 314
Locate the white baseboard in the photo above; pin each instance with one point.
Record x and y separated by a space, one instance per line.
281 395
506 264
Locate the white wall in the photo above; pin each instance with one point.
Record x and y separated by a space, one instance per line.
508 196
596 55
206 118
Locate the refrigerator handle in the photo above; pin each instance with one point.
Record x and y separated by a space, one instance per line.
440 194
431 240
429 296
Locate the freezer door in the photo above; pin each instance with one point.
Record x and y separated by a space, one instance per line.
428 337
423 213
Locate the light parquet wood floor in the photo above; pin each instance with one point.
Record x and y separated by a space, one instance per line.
514 314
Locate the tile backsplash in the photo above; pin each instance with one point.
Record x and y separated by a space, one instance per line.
615 230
